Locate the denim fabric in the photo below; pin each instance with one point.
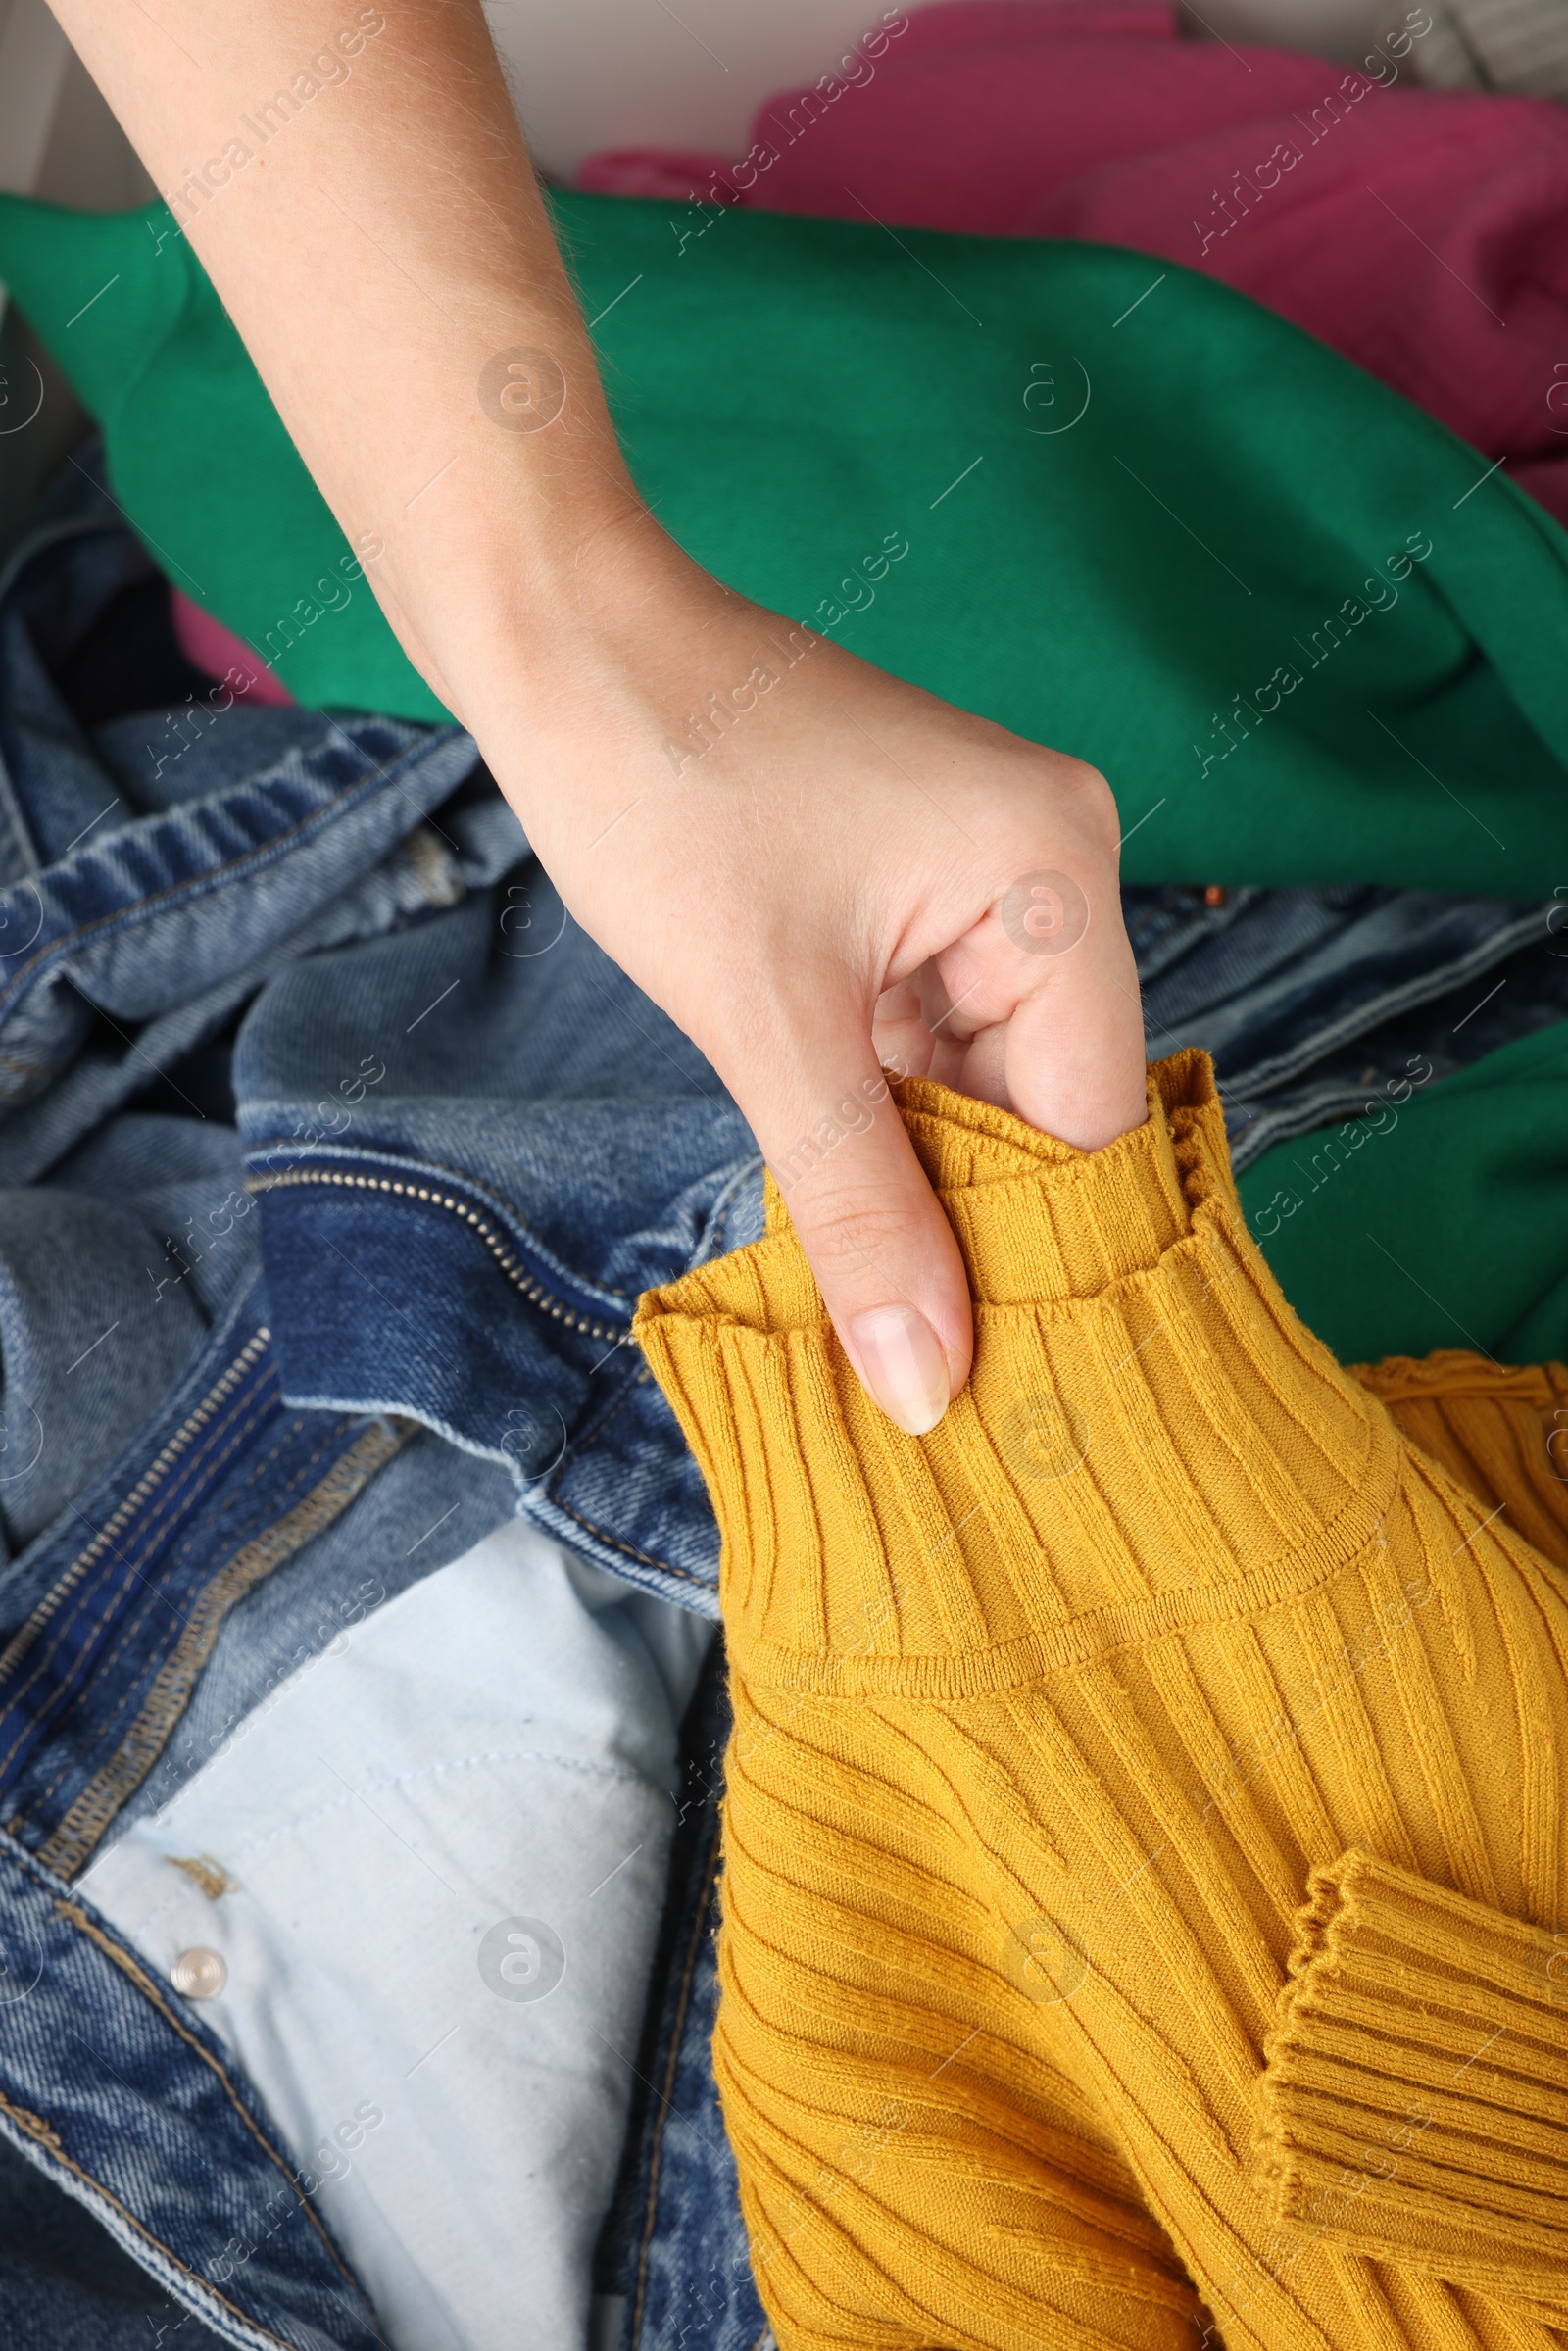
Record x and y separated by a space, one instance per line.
312 949
1312 999
424 1508
127 2101
65 2284
501 1740
108 2079
465 1243
157 867
155 873
674 2245
167 1585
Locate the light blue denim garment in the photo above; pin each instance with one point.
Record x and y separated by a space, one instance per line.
156 870
472 1143
465 1243
1311 1000
148 1475
145 892
174 1569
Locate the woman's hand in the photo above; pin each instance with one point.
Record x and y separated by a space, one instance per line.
833 868
816 870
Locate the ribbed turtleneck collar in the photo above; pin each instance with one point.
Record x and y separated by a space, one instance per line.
1147 1436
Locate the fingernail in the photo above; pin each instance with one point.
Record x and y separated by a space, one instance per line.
904 1366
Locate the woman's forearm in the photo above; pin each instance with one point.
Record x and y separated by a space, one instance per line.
356 186
826 891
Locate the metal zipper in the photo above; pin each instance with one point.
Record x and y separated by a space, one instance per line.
533 1289
145 1486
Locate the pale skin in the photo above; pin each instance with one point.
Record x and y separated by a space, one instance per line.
819 893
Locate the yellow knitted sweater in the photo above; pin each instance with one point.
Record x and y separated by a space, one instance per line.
1145 1878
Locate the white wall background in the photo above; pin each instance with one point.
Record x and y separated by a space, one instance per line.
589 74
584 74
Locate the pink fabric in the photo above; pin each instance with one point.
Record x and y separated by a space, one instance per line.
209 645
1423 233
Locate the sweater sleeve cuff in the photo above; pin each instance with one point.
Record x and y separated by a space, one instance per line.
1149 1439
1414 2104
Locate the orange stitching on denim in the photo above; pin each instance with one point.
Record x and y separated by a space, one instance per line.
34 2125
665 1566
76 1835
37 2130
238 1434
235 1437
146 1488
144 1983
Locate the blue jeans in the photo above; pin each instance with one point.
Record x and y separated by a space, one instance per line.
1309 1000
333 1157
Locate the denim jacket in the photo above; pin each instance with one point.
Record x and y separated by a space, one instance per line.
334 1158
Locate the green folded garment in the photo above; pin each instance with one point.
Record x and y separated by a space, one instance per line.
1441 1221
1296 622
1204 581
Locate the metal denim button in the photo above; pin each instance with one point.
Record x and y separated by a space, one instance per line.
200 1974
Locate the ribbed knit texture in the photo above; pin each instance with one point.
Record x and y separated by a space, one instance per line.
1458 2145
1044 1722
1502 1431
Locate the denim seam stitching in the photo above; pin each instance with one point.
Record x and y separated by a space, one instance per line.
299 1421
630 1551
209 1466
1390 1004
238 1434
166 1460
57 2151
111 1787
651 2212
616 1542
217 877
237 1535
74 1914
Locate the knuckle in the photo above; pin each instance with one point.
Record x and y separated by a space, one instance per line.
847 1237
1072 804
1095 806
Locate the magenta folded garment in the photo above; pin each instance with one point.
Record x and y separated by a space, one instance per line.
1423 233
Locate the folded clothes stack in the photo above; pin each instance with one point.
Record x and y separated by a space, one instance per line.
360 1711
1422 232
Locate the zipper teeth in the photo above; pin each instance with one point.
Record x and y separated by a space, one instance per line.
533 1291
151 1478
